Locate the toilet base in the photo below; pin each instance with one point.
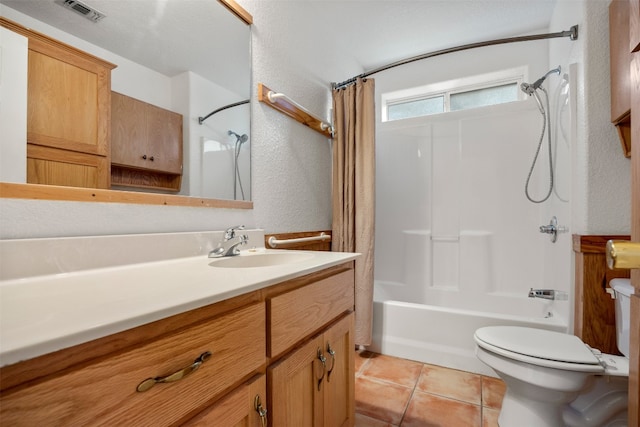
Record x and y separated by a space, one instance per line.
515 413
603 403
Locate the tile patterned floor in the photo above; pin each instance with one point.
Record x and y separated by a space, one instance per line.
393 392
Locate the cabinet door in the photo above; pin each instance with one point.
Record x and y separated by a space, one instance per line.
238 409
128 132
295 387
67 101
145 136
339 395
164 146
634 25
52 166
620 59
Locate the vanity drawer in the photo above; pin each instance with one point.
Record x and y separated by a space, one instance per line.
104 393
294 315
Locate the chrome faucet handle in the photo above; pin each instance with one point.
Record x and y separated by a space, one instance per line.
230 233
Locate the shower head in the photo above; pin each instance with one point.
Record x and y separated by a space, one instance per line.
530 88
239 138
538 82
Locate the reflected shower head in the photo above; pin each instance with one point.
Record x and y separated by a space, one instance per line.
239 138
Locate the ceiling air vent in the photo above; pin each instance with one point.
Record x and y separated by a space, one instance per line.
87 11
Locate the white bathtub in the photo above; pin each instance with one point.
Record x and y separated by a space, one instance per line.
444 336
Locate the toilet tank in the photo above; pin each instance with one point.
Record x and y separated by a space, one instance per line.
623 291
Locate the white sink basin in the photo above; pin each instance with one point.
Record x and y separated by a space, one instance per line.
260 260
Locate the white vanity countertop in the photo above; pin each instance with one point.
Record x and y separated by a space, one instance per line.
42 314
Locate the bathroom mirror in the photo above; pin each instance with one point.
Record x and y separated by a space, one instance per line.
200 50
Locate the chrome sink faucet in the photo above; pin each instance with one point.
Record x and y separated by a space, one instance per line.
230 245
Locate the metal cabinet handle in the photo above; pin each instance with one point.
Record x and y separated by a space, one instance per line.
176 376
333 361
323 360
262 412
151 158
144 157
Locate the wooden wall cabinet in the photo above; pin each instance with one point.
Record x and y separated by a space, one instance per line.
146 144
68 113
620 62
96 383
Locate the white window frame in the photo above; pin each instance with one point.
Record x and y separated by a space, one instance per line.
447 88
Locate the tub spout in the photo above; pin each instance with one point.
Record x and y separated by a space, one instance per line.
547 294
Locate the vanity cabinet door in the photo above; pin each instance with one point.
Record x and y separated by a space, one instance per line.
108 391
244 407
295 386
314 385
339 392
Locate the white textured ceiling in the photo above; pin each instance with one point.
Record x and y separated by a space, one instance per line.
173 35
378 32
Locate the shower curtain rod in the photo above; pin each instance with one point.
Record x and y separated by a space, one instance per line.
572 33
235 104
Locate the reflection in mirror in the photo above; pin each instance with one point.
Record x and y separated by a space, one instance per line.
187 56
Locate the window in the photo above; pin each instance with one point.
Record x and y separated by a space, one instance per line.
454 95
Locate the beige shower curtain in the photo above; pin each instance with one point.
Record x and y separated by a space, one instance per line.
354 191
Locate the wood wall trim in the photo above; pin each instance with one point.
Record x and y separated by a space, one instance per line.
293 111
76 194
237 10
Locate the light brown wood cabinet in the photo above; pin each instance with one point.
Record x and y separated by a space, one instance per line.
146 144
68 112
236 382
313 386
620 63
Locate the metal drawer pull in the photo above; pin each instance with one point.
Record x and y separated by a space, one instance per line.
262 413
332 352
176 376
323 360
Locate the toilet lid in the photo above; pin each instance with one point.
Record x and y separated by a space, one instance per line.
537 343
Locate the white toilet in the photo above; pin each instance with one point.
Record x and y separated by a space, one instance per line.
556 380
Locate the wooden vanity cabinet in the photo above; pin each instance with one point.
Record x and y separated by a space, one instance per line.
68 113
264 367
106 391
310 339
146 144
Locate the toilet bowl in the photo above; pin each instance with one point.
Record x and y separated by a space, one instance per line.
556 380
